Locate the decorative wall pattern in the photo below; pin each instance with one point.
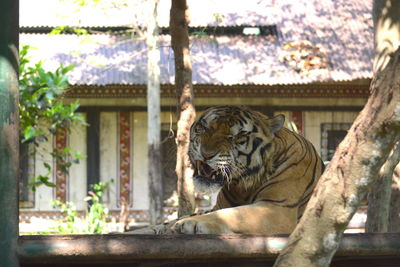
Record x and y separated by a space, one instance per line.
125 154
208 90
297 117
61 176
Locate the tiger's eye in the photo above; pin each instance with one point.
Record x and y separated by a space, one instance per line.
243 133
229 137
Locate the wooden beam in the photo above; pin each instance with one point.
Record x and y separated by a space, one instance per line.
247 250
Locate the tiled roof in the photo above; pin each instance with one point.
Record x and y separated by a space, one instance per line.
343 28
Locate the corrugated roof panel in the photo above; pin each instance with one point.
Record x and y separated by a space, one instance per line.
343 28
134 12
293 18
103 59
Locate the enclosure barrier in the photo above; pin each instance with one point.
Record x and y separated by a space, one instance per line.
197 250
8 132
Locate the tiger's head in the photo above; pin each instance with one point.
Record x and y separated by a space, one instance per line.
231 144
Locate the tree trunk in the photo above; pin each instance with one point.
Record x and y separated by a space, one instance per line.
179 20
352 171
394 210
386 40
153 119
380 196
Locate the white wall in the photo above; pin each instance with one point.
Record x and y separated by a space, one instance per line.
44 194
77 174
109 156
140 168
77 190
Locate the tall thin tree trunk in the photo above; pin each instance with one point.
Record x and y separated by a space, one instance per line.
386 40
153 118
179 20
353 170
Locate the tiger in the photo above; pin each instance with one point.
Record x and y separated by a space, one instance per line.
265 173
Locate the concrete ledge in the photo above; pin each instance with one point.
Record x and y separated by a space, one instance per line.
179 250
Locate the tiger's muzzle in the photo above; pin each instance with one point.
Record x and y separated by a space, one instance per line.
203 171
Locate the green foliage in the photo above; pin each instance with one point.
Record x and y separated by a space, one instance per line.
70 224
203 35
82 3
42 179
97 214
42 110
41 95
95 217
68 29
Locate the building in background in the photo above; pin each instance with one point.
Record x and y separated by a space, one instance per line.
309 60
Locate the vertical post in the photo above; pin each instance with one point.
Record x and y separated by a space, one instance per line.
9 141
153 118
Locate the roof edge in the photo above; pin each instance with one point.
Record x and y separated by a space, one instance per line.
335 90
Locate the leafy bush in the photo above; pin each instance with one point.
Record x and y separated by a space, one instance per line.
43 111
95 218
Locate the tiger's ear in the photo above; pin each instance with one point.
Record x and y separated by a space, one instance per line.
276 123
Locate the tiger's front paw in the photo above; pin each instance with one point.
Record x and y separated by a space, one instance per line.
154 230
198 226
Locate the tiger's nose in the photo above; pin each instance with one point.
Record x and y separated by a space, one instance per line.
208 155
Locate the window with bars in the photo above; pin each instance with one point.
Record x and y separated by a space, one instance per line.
331 136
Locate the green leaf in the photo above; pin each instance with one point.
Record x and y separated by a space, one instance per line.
47 166
67 69
30 133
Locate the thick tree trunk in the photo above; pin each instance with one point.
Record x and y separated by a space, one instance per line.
179 20
352 171
386 40
153 119
394 210
380 196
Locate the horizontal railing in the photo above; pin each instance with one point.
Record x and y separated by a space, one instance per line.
175 250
